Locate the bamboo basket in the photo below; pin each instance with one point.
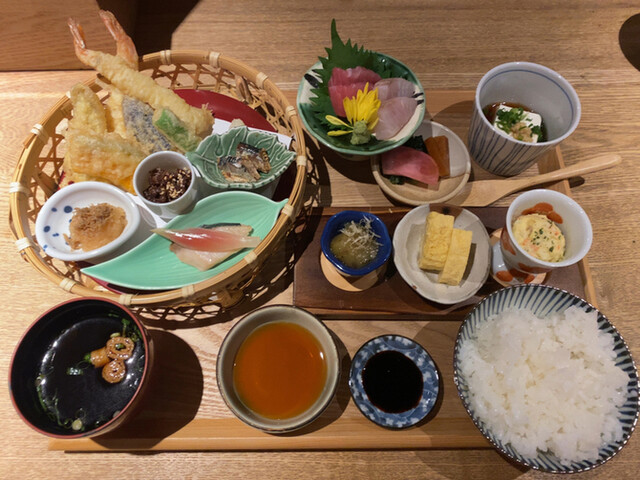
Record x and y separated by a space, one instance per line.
38 171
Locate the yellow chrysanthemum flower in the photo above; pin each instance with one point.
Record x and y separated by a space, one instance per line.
362 116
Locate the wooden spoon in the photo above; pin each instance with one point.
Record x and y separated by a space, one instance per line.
485 192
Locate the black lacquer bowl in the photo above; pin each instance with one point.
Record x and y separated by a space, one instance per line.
58 393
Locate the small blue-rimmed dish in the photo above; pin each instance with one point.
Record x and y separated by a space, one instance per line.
333 227
427 396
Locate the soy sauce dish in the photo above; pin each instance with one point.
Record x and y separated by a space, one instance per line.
55 387
393 381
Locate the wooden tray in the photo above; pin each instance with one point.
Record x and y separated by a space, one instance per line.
392 297
183 409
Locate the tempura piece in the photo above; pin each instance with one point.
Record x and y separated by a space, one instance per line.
108 156
135 84
115 112
88 111
175 130
125 48
138 118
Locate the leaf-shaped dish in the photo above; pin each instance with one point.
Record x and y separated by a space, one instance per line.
205 157
152 266
342 144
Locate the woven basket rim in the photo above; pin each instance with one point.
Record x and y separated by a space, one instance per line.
223 285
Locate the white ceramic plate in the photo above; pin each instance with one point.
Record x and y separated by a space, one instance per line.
53 220
419 194
407 243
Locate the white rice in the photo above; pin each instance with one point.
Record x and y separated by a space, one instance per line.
546 384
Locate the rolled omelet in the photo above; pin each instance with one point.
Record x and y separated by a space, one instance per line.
457 258
437 239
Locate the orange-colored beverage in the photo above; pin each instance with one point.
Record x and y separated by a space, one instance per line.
280 370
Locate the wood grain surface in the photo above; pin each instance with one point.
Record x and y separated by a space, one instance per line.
449 44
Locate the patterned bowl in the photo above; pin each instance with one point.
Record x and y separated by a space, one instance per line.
414 352
543 300
334 226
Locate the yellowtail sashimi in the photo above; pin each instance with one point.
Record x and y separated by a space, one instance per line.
206 246
211 238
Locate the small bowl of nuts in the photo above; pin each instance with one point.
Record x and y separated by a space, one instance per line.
166 183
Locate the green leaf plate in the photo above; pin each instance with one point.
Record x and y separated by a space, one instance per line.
342 144
205 157
152 266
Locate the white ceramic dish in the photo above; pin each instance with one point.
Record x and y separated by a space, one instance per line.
407 243
166 160
54 217
417 194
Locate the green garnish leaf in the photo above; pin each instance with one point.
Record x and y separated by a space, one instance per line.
344 55
395 179
508 118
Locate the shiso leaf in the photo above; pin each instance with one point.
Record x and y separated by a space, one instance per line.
345 55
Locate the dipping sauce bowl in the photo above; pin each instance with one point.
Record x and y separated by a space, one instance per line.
278 368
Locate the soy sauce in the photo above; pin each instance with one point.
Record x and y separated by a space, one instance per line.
392 382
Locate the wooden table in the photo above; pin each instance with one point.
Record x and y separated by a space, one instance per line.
449 45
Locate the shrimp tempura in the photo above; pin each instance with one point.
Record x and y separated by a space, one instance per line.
137 85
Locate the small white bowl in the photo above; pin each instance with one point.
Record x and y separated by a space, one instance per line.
575 226
236 337
55 215
166 160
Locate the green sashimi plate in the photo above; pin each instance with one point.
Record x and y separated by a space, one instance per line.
152 266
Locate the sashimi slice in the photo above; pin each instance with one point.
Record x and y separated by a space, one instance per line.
346 83
198 258
216 238
394 87
393 115
411 163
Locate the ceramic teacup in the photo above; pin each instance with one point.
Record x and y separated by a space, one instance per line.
511 264
536 87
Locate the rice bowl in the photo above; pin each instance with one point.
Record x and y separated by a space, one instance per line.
546 378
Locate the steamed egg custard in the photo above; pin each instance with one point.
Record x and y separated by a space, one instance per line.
539 237
280 370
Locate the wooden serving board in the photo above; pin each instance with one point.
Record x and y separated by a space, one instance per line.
183 410
392 297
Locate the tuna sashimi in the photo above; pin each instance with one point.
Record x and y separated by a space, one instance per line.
393 115
212 238
346 83
394 87
411 163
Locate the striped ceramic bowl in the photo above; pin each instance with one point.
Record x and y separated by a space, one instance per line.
530 85
543 300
